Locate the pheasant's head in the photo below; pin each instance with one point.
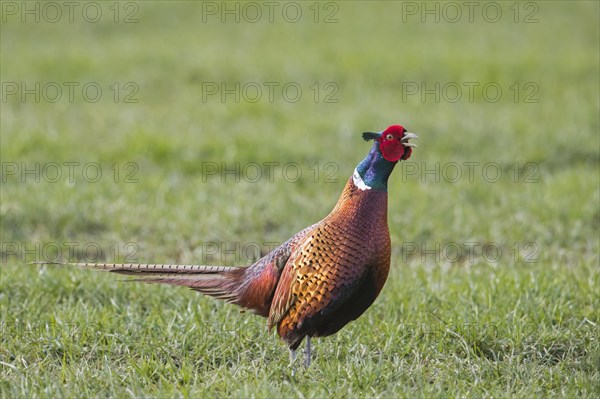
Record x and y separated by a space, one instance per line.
393 142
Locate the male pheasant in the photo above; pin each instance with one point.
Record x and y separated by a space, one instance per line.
324 276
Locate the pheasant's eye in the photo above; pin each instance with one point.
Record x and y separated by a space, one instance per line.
389 136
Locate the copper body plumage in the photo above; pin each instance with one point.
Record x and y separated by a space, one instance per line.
337 269
323 277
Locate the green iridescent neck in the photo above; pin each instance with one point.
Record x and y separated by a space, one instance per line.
375 170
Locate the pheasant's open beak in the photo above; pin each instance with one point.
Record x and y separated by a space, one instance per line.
407 136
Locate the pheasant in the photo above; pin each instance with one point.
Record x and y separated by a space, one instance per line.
323 277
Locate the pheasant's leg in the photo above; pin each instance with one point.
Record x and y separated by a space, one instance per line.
293 361
307 352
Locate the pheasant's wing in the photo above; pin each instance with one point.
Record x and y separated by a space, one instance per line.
256 289
321 274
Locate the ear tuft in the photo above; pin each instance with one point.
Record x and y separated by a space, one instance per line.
370 136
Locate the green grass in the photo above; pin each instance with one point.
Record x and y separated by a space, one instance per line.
520 323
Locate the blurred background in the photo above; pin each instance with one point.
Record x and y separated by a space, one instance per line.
208 132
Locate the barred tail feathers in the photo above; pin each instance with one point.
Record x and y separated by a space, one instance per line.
220 282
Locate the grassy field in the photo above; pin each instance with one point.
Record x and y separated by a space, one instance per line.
206 133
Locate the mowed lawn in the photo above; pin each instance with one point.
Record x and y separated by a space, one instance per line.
207 133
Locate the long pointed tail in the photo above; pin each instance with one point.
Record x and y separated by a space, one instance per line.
217 281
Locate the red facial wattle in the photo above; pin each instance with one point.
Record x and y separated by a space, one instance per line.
392 150
390 145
